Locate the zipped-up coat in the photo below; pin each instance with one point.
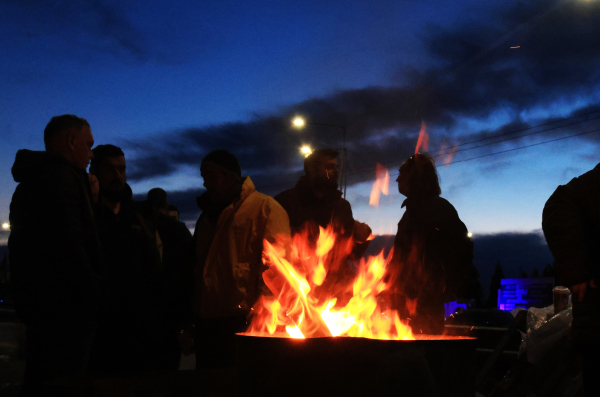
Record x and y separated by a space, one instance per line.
230 280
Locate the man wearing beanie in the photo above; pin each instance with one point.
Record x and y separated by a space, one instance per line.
228 245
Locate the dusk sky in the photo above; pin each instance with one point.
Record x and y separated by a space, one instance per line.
168 81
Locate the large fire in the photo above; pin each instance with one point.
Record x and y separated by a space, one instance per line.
307 303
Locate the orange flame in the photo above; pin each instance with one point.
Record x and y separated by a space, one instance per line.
381 185
450 155
423 141
306 304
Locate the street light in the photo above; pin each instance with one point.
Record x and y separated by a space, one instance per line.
299 123
305 150
5 226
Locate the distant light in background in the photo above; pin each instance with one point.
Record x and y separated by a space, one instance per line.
469 235
5 226
517 46
305 150
298 122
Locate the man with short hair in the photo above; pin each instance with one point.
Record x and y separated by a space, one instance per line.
228 245
131 330
157 198
316 202
54 251
173 212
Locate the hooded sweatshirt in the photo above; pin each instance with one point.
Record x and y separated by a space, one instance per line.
53 246
229 254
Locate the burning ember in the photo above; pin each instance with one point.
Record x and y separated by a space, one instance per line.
423 141
315 295
448 152
381 185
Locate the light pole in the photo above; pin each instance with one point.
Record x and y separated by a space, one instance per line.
299 123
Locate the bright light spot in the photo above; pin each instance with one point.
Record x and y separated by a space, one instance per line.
305 150
5 226
298 122
469 235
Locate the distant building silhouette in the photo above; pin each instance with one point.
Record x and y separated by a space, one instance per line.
549 271
495 286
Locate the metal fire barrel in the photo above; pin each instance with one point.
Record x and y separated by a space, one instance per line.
344 366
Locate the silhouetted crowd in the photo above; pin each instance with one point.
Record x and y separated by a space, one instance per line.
107 285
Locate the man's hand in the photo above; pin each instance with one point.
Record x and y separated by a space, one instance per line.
95 186
580 289
362 231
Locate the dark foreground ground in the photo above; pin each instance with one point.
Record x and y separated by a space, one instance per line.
350 374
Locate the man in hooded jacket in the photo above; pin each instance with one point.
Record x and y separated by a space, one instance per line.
571 225
228 244
54 251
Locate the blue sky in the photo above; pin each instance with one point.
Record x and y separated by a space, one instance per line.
170 81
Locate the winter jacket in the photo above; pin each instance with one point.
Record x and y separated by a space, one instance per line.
138 326
303 206
229 253
432 257
307 210
571 224
54 249
133 268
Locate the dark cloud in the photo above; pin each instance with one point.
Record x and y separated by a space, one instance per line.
81 28
479 74
98 23
558 52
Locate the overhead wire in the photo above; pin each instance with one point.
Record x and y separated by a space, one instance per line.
363 170
522 147
525 129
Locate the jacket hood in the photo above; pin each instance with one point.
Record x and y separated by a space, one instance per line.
29 164
206 203
213 209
